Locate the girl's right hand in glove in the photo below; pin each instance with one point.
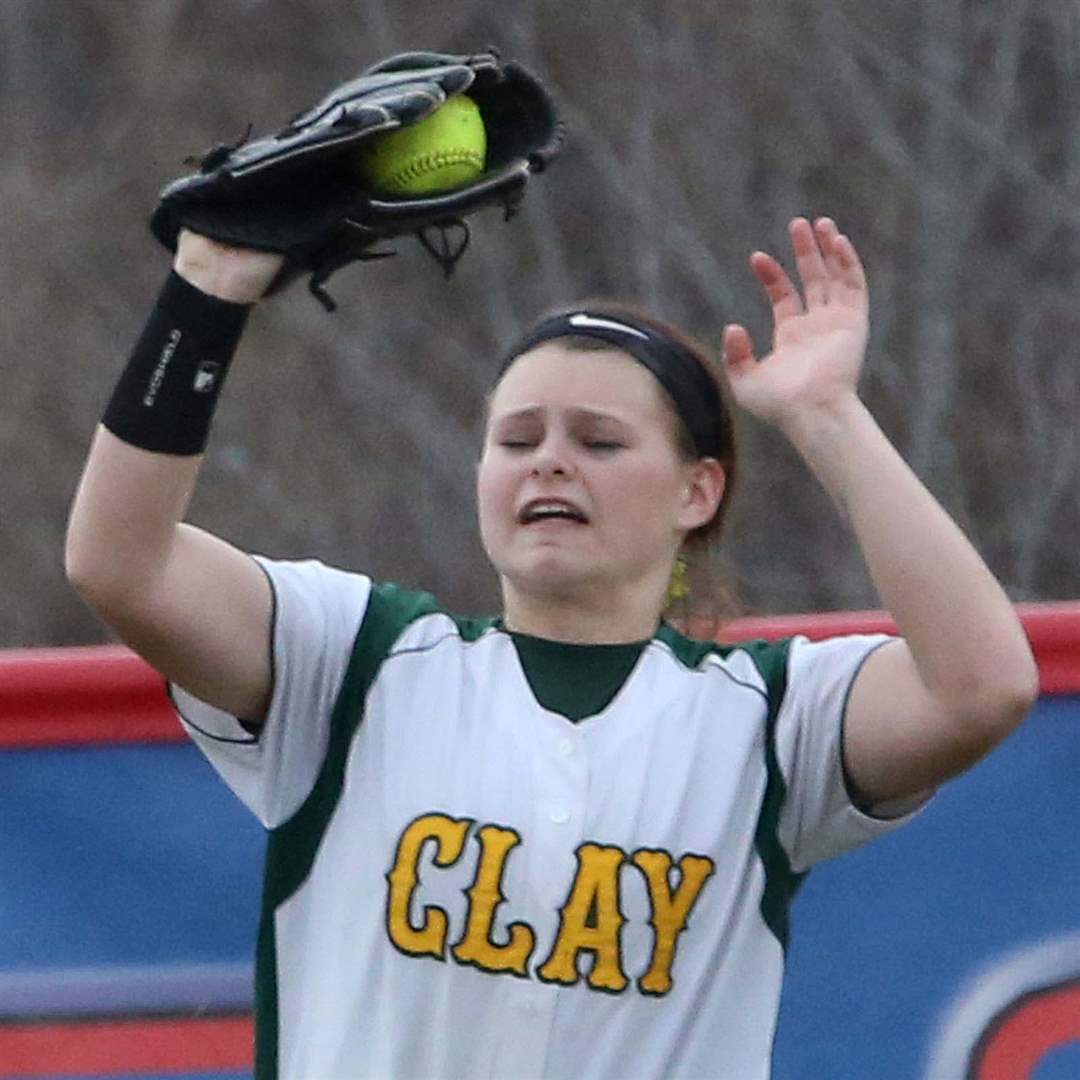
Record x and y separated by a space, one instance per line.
241 275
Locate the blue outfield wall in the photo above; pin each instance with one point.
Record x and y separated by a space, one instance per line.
893 943
132 869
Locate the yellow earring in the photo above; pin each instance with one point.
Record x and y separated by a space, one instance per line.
678 586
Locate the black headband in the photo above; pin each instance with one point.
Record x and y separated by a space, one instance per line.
689 385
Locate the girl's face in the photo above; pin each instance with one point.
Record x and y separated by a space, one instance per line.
580 487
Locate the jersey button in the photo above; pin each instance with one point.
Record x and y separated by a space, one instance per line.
565 747
559 815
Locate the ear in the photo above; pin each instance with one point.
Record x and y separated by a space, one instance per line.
702 493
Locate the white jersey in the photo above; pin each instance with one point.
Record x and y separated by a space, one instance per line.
462 881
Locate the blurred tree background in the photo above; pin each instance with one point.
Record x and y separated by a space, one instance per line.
944 135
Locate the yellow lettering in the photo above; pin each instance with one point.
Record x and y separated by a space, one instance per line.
590 920
429 939
670 911
485 895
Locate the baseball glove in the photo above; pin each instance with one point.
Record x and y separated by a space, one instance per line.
299 192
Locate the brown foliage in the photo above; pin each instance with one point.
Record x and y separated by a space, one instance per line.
943 136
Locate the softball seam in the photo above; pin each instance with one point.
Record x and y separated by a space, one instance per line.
432 162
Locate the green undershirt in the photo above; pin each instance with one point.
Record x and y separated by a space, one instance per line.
575 680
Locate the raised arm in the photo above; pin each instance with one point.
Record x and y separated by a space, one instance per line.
194 607
924 708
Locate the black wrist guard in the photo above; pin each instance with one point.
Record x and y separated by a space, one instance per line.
166 396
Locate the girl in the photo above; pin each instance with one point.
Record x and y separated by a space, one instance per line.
560 842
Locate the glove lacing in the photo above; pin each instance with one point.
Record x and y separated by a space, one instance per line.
446 250
453 239
447 245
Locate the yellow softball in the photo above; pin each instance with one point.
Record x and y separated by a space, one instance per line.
439 153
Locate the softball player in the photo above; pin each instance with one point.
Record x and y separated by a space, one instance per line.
560 842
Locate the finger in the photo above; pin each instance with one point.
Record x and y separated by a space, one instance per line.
826 232
415 60
416 102
737 349
847 280
782 294
810 263
454 80
852 273
391 109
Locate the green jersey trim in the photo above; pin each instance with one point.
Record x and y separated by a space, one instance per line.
291 847
575 681
781 882
771 661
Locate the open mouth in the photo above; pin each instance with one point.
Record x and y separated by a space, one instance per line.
540 511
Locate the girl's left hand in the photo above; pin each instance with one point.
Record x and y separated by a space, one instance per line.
818 342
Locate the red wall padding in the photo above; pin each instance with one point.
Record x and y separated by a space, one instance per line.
105 694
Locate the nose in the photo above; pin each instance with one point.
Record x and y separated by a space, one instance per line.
550 460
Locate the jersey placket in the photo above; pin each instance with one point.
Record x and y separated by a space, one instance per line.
561 783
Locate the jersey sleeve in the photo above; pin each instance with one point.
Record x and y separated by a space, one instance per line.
819 818
272 769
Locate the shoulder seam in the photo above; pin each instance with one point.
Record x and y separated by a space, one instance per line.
710 654
454 633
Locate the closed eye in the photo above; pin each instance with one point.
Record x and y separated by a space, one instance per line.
590 444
